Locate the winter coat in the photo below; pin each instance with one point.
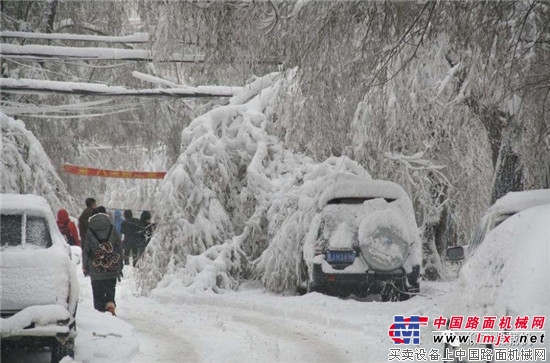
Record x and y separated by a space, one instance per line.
118 221
134 233
83 221
101 261
145 219
67 228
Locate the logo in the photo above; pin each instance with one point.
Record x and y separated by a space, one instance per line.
407 330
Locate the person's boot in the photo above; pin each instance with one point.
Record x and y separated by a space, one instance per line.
110 307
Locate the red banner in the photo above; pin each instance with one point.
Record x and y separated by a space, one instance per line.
80 170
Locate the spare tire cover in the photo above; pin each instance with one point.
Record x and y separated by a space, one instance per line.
382 242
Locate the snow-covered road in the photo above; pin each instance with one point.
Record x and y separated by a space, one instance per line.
249 325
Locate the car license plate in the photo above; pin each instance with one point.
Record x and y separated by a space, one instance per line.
340 256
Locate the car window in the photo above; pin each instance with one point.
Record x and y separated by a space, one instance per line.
10 230
334 215
501 218
488 223
38 233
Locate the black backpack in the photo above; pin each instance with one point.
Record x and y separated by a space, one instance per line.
105 257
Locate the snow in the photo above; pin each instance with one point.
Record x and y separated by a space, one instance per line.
342 237
236 186
511 264
25 167
90 53
517 201
385 241
41 315
133 38
37 86
247 325
36 276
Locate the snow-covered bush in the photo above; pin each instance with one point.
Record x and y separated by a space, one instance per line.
26 169
237 203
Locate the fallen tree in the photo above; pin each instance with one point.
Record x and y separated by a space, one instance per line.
237 204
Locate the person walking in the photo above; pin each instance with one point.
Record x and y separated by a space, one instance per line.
132 236
118 220
146 232
86 214
67 228
102 260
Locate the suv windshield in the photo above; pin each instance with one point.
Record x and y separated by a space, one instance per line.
36 231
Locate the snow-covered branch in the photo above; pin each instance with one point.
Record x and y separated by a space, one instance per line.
133 38
163 82
416 162
95 89
92 53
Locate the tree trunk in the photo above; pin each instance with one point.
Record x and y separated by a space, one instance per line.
433 233
509 169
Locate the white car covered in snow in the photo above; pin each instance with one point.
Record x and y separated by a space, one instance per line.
39 280
364 241
507 276
503 209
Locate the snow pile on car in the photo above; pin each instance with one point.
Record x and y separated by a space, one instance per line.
33 275
511 261
25 167
237 203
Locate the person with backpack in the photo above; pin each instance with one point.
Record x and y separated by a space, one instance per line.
102 260
133 237
67 228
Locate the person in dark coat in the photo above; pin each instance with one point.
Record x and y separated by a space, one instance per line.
102 261
133 237
67 228
145 219
86 214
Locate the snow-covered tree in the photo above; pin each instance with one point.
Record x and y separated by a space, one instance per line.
26 169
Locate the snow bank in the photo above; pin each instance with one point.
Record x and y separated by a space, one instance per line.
26 169
237 203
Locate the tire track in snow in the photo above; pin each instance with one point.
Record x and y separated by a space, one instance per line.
158 344
314 349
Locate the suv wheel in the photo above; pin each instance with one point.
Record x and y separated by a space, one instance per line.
59 350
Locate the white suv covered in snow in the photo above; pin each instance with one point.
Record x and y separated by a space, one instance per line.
39 280
364 241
